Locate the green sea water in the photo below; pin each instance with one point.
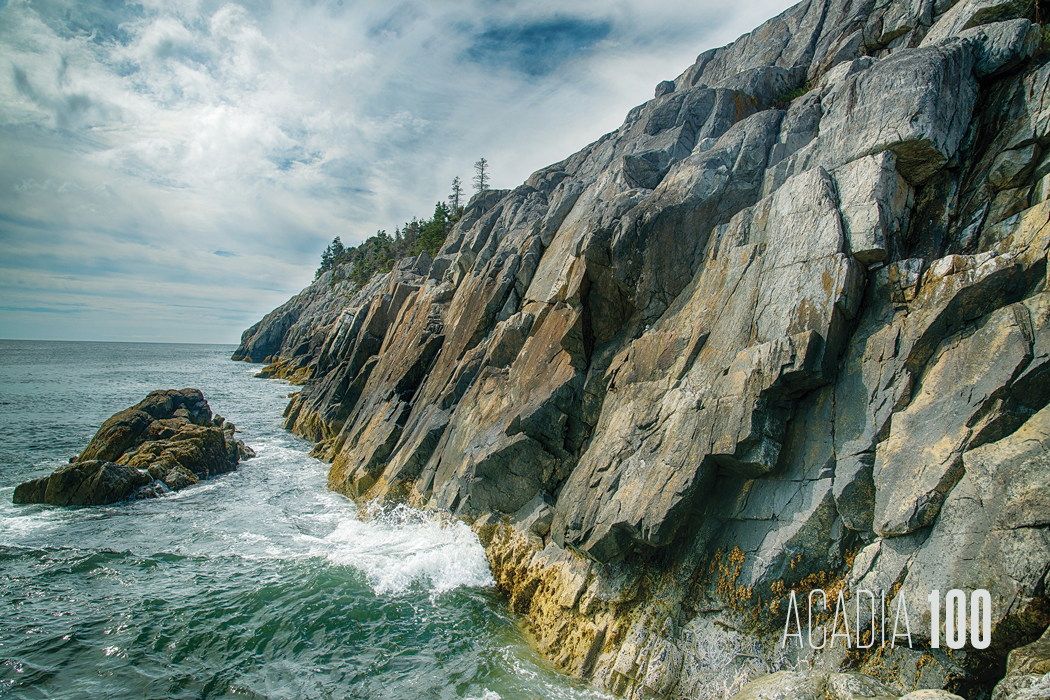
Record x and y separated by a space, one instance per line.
255 584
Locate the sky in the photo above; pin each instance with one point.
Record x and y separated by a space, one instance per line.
171 170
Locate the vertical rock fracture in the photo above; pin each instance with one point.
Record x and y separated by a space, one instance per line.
786 328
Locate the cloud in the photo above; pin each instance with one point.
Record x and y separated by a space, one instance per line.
206 151
393 24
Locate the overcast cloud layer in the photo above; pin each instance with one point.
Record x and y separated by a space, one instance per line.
170 170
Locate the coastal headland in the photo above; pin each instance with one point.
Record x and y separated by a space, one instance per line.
785 330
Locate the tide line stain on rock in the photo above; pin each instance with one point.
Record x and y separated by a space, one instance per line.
166 442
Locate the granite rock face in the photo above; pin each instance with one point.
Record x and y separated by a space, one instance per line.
1027 672
784 329
788 685
166 442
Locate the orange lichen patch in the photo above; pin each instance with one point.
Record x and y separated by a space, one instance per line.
926 660
727 568
567 616
861 650
907 671
875 665
830 582
744 105
779 591
894 590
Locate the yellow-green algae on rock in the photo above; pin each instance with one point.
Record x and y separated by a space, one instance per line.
167 441
741 346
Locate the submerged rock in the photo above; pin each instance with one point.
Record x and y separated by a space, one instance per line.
166 442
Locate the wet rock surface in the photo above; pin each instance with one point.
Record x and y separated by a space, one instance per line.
166 442
788 685
785 328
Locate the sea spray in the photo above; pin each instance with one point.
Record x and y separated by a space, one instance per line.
399 547
261 583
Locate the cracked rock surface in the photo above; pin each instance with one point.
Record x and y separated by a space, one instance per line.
166 442
784 329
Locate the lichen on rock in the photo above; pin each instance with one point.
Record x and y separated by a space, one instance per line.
166 442
742 345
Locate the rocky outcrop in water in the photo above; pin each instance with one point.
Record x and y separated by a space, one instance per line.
166 442
785 329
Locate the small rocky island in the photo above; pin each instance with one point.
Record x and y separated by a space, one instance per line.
166 442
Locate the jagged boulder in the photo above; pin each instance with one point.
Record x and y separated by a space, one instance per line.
934 91
167 441
967 14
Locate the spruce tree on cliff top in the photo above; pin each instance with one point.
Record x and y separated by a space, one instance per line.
457 192
481 177
381 252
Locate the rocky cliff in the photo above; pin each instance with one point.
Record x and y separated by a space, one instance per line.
787 328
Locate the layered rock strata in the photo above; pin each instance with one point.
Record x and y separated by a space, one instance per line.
743 344
166 442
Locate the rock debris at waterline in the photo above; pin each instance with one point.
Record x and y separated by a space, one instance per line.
788 327
166 442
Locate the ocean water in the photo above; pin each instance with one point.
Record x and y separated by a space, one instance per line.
255 584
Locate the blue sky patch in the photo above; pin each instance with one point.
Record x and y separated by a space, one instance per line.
537 48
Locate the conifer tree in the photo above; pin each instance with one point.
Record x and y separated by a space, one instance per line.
457 190
481 178
329 258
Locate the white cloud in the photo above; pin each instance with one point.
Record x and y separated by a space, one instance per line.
137 140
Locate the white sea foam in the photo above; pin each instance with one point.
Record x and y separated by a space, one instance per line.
401 547
252 537
16 522
487 695
195 491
